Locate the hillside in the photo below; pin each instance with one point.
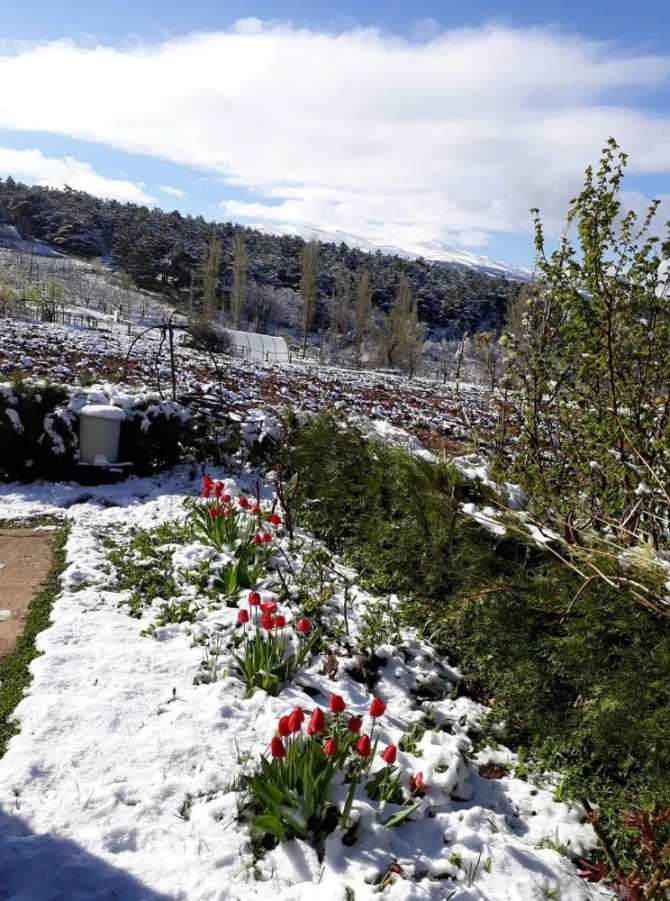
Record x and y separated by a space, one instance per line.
161 250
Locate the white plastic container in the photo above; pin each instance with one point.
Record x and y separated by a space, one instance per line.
99 432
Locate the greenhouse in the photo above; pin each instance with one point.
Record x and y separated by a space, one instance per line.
260 347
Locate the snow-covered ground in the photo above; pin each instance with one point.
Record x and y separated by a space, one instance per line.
121 782
439 414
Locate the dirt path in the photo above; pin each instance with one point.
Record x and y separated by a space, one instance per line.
25 560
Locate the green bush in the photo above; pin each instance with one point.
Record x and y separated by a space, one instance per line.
390 513
583 685
39 427
36 435
154 438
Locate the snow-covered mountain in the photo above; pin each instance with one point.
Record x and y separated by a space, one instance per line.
434 251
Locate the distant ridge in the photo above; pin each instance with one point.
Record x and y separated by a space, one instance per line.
433 251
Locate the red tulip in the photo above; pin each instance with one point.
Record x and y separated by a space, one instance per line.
274 519
336 703
330 747
388 755
226 498
243 502
283 728
295 719
354 724
277 748
317 722
226 511
416 784
243 616
266 537
268 606
255 509
303 626
254 599
267 621
377 707
215 511
280 621
362 746
218 489
207 486
256 539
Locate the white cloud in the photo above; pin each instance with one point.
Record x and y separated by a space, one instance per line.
174 192
33 166
449 138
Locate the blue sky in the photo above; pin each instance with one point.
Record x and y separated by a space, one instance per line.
408 123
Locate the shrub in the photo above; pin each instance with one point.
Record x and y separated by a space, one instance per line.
36 434
580 673
155 436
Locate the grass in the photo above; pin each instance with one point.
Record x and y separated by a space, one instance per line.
15 673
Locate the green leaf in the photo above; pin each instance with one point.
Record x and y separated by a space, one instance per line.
267 823
400 816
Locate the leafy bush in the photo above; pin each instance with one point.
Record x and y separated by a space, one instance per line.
392 514
580 674
36 435
155 436
39 426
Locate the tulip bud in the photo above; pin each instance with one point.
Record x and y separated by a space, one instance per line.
254 599
283 728
388 755
243 616
377 707
330 747
295 719
303 626
277 748
354 724
336 703
317 722
362 746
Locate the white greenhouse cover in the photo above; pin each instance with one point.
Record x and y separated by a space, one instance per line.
260 347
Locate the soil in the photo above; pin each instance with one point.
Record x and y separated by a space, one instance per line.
25 560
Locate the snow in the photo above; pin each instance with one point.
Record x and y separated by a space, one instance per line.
116 737
15 420
433 251
102 411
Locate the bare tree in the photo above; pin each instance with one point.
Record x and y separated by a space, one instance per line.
210 267
401 337
361 309
238 293
309 285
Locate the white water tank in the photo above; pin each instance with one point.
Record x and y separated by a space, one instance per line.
99 432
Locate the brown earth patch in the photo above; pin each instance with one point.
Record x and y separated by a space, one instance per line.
25 556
